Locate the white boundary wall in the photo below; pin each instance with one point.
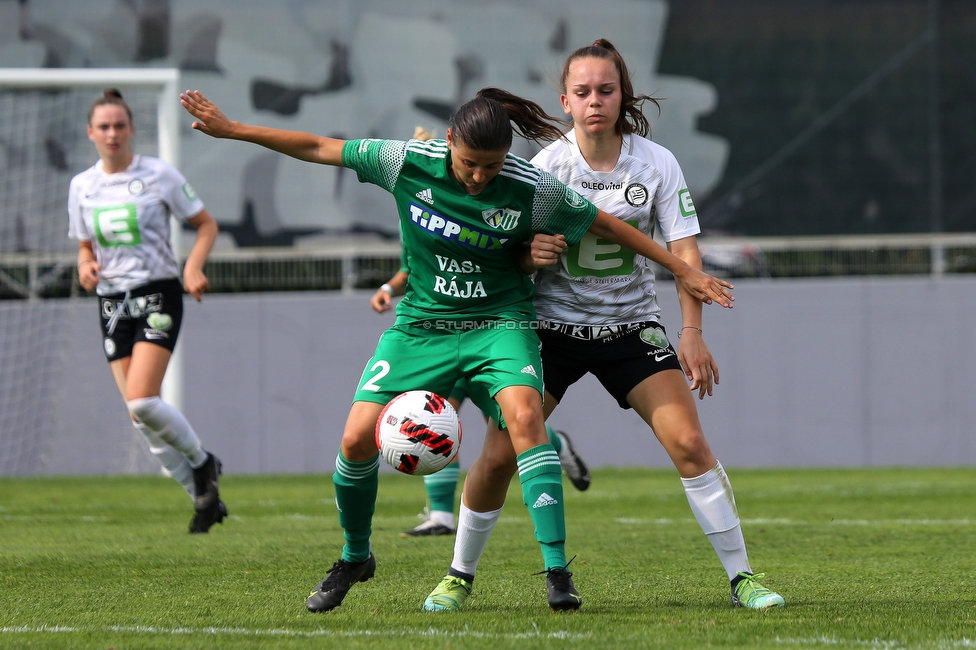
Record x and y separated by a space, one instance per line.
822 372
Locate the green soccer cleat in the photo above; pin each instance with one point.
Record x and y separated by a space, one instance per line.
448 596
748 593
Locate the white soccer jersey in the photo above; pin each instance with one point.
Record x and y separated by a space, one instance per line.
126 217
597 282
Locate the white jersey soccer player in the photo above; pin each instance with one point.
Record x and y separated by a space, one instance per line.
119 212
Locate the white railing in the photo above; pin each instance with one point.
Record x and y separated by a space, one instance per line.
348 263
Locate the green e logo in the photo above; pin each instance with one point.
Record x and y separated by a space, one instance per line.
117 226
597 257
684 201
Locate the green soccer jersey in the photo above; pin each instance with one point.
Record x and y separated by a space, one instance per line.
462 249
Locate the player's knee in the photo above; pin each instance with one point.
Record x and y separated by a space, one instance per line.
143 409
499 466
691 447
526 422
358 446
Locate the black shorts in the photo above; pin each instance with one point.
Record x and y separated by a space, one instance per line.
619 360
152 313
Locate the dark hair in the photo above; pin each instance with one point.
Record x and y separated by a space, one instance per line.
111 97
485 122
631 118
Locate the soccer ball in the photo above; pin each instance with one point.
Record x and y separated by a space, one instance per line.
418 432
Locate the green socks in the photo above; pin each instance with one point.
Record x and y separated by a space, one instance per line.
441 487
355 490
554 439
542 493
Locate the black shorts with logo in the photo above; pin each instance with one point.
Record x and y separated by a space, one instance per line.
152 313
619 356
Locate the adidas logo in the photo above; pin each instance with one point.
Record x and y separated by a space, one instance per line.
544 500
426 196
529 370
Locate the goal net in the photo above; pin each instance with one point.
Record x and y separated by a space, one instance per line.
43 144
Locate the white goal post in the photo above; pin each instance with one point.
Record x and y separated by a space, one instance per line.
166 80
37 188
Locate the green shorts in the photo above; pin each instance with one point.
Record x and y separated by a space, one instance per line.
460 391
409 357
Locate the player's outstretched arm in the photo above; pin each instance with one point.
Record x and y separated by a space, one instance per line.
304 146
699 284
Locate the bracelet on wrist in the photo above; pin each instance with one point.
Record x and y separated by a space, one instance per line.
387 288
689 327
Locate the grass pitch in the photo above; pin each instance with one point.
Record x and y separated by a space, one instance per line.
865 558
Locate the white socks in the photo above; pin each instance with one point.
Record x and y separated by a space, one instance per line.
441 517
170 425
473 531
713 504
173 461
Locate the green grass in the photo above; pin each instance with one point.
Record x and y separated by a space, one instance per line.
865 558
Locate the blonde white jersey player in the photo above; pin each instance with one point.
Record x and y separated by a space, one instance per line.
597 305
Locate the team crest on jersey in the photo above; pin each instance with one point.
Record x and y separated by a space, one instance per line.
574 198
636 194
503 218
136 186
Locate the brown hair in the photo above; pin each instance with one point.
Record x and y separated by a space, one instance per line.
631 118
485 122
111 97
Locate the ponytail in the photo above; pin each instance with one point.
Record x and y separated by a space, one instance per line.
485 123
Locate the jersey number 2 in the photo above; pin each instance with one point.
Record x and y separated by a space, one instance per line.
384 370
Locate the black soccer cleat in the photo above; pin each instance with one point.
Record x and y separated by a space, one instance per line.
429 527
202 521
209 508
572 463
561 590
333 589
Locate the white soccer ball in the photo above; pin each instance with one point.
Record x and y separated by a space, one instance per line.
418 432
